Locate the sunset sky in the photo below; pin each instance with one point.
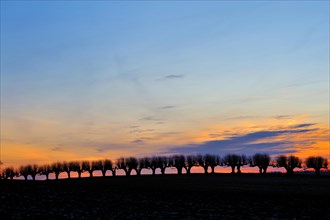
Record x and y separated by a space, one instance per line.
91 80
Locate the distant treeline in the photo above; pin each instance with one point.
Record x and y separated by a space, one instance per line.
180 162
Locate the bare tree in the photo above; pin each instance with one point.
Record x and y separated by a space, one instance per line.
192 160
132 164
211 161
45 170
107 165
86 166
230 160
234 160
9 172
57 169
162 163
75 166
66 168
25 171
179 162
127 164
262 161
317 163
34 171
154 165
289 163
144 163
201 162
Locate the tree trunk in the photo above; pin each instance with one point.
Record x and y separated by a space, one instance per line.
127 172
33 177
68 174
238 169
205 169
179 170
56 176
260 170
289 171
317 171
114 172
212 167
103 173
153 171
138 171
232 169
79 174
265 169
188 170
90 173
47 176
163 170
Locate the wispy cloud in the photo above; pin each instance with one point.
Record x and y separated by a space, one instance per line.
174 76
167 107
307 83
283 117
260 141
56 149
138 141
151 118
303 125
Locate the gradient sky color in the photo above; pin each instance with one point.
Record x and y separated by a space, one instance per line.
88 80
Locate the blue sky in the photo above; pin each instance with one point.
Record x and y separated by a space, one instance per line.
113 75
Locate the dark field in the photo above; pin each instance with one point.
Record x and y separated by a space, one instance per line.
220 196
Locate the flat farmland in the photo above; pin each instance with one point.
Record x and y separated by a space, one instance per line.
195 196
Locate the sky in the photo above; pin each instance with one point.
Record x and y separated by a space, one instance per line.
90 80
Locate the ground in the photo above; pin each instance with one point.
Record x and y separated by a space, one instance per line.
198 196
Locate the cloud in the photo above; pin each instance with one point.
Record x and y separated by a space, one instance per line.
260 141
141 131
167 107
138 141
56 149
283 117
303 125
173 76
307 83
150 118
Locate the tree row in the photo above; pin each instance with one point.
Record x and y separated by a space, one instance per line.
180 162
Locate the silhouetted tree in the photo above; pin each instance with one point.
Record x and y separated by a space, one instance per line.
86 166
162 163
107 165
211 161
262 161
144 163
154 165
75 166
45 170
127 164
66 168
9 172
179 162
57 169
201 162
317 163
97 165
234 160
132 164
34 171
25 171
192 160
289 163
